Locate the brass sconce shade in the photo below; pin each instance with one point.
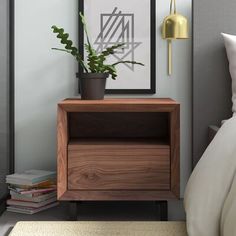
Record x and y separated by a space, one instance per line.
175 26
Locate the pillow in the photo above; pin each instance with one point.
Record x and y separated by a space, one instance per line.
228 224
230 45
210 183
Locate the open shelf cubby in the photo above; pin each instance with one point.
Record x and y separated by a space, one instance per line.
139 127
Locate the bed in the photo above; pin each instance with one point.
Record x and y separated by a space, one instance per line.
211 191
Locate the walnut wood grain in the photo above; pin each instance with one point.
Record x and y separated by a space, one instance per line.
118 165
175 150
115 101
126 195
69 112
62 141
148 142
119 105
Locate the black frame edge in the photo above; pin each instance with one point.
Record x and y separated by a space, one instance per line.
192 73
12 85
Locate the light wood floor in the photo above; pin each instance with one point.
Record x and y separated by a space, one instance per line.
101 211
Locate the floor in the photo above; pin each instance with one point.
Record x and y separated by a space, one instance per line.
100 211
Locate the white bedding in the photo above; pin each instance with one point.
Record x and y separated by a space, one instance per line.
228 216
210 185
230 45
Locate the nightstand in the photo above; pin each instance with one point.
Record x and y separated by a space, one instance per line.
118 150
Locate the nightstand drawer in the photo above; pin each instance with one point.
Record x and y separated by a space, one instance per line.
117 165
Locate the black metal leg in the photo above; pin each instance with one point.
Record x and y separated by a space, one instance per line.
163 206
2 207
73 211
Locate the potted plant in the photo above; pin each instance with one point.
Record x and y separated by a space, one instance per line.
95 71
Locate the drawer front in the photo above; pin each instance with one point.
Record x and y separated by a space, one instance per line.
118 168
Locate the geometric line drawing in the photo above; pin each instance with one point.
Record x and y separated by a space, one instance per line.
117 27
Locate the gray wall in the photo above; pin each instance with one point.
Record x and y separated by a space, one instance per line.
211 78
4 99
44 77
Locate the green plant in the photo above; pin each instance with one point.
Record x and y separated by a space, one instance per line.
96 62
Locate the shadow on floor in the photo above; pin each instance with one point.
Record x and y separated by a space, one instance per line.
8 231
87 211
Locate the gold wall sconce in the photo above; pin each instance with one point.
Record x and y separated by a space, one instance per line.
175 26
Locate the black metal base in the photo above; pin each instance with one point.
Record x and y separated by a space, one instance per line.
2 206
163 210
73 211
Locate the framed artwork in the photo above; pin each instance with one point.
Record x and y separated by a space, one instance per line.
132 23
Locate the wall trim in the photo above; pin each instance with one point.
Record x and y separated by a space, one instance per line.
9 90
12 86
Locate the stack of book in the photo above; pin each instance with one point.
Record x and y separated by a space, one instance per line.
32 191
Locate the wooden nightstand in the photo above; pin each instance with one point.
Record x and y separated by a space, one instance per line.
118 149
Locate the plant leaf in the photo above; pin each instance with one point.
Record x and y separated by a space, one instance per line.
69 48
128 62
110 70
111 50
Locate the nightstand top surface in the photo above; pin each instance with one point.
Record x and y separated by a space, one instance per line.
121 101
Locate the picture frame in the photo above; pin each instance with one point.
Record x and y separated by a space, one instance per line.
119 23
